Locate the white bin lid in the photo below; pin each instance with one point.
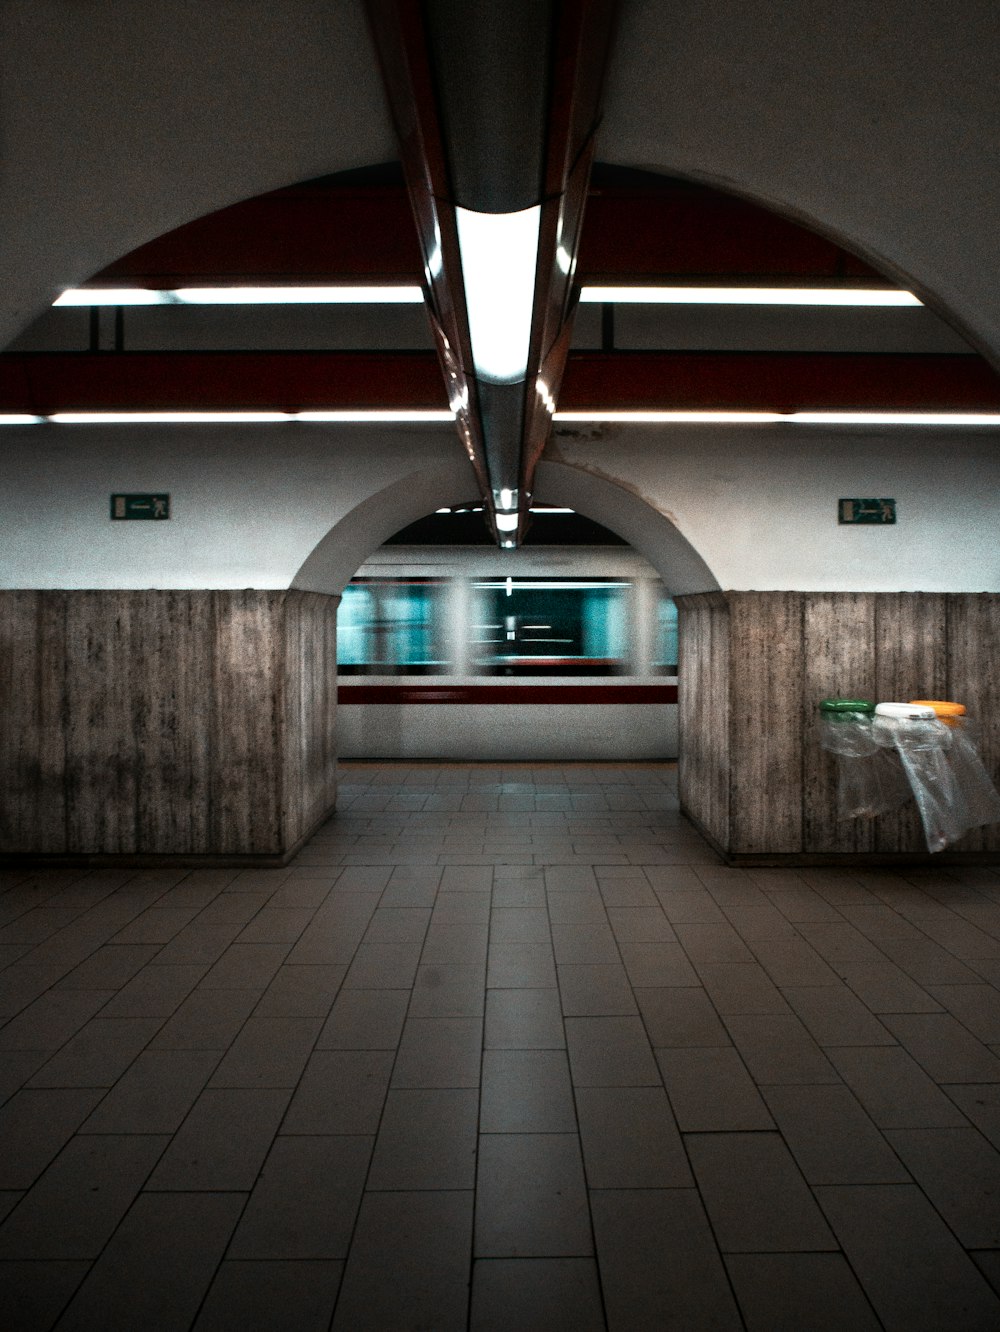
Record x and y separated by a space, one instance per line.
909 711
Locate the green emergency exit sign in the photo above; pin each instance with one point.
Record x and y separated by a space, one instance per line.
866 511
153 507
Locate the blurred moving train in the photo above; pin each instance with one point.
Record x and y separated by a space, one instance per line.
475 653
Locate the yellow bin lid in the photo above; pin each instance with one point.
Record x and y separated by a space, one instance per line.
941 706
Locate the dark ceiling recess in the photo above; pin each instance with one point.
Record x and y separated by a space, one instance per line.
496 108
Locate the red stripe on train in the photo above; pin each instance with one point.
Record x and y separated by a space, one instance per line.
588 694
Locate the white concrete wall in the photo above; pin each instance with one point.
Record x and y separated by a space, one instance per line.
251 504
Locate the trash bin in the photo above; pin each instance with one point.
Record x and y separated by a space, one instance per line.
870 780
982 801
924 743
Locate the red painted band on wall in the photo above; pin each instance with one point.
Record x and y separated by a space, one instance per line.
590 695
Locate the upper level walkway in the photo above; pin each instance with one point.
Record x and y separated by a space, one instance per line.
504 1048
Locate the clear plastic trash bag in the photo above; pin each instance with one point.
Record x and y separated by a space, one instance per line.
981 797
925 748
870 780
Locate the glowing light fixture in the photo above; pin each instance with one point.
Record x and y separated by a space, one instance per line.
337 295
895 418
166 418
19 418
674 418
849 296
404 416
361 417
499 257
506 522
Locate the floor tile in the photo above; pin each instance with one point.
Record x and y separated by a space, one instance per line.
32 1294
755 1195
595 991
247 1295
710 1090
610 1052
657 964
894 1090
98 1054
681 1016
536 1295
909 1263
301 991
341 1091
524 1020
519 966
35 1126
305 1202
531 1200
426 1140
155 1094
960 1173
526 1091
206 1153
943 1048
439 1052
206 1020
776 1048
831 1137
158 1265
789 1292
78 1202
660 1268
450 989
630 1139
424 1240
365 1020
836 1016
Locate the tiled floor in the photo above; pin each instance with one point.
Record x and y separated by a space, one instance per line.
505 1048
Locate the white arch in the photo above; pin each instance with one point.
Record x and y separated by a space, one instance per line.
335 559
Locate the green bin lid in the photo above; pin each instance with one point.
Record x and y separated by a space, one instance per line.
835 705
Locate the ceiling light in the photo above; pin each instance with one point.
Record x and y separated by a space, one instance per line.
166 418
19 418
673 418
112 296
416 415
895 418
499 257
330 295
368 295
506 522
850 296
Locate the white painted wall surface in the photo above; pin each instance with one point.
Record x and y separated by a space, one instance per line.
251 504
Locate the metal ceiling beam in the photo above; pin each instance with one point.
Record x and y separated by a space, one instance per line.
44 382
496 108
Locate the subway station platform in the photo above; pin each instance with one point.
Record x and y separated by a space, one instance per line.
505 1047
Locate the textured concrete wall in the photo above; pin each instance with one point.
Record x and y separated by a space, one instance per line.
165 723
754 666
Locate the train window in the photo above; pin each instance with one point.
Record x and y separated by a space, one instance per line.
526 626
392 627
665 660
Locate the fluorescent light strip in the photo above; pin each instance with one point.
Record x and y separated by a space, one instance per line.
848 296
166 418
792 418
499 256
242 418
896 418
436 417
406 294
388 417
673 418
342 295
